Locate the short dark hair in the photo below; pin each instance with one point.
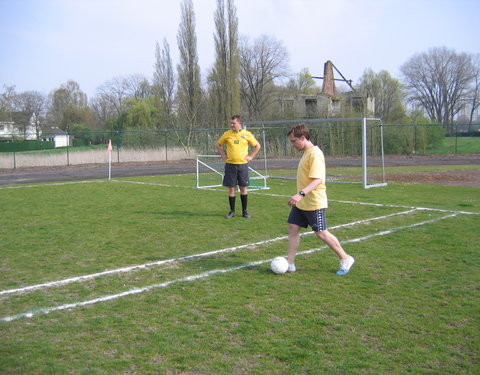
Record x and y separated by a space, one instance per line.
238 118
298 130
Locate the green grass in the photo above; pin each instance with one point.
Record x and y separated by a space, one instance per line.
458 145
409 305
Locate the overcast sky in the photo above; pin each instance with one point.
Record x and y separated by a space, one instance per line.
45 43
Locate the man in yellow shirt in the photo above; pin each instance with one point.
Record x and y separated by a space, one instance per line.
310 203
236 159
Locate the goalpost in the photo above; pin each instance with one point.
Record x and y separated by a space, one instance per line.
367 183
210 174
358 142
353 149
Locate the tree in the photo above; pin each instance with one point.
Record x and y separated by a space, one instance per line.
388 93
302 83
164 81
103 112
32 103
474 94
8 103
189 90
68 106
224 78
137 86
141 114
261 63
113 94
439 80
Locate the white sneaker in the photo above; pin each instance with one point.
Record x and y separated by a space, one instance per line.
345 265
291 268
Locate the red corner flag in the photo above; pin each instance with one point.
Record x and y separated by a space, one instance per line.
109 148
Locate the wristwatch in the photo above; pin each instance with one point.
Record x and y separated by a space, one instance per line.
302 193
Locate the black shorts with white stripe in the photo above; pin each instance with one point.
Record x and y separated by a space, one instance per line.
317 219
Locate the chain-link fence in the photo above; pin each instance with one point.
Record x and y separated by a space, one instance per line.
340 137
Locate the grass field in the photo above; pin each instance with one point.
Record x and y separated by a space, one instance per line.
145 276
458 145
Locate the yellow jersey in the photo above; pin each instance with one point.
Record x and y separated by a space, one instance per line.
312 166
237 145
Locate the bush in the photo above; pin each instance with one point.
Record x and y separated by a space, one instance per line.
412 139
18 146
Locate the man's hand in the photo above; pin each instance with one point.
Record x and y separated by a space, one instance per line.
294 199
254 153
221 152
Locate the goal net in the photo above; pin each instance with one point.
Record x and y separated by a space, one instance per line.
210 169
353 149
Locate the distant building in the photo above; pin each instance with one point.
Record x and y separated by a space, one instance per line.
23 127
328 103
58 136
7 128
310 106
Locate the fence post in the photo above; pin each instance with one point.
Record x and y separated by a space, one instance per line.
166 145
414 139
14 153
118 145
264 150
456 134
68 144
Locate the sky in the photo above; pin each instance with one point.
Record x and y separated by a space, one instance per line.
45 43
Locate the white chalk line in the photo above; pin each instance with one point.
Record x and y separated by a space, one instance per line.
51 184
147 265
184 258
261 192
152 184
217 190
383 205
46 310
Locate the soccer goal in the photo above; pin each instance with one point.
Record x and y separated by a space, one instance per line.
353 148
210 170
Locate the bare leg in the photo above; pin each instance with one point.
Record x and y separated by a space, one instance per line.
333 243
293 242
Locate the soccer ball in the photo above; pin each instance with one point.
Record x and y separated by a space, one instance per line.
279 265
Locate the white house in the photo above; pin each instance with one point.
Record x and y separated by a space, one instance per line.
15 129
56 135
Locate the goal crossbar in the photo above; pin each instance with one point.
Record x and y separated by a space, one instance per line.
369 141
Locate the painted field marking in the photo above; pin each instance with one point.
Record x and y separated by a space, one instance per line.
288 196
46 310
254 192
52 184
152 264
184 258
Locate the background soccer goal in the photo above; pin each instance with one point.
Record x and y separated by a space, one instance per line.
210 169
353 149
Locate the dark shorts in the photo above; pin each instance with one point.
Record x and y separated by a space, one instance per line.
317 219
236 174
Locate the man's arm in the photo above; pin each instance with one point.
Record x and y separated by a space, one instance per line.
221 151
307 189
254 152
